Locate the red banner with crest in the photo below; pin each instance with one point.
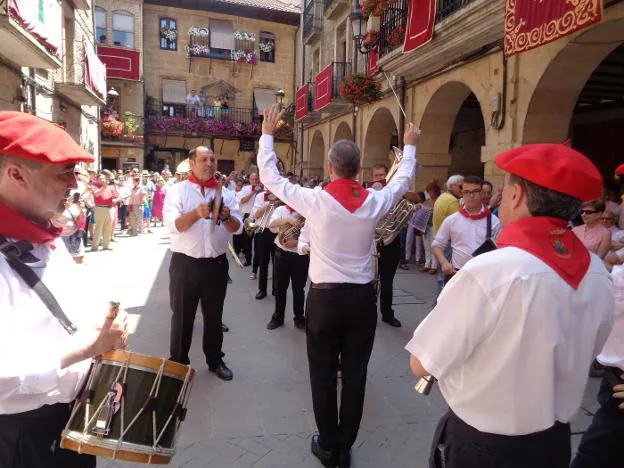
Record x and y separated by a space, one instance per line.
420 24
301 102
532 23
371 61
323 87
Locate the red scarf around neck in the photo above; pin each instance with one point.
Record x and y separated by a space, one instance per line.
549 240
348 192
290 210
482 214
210 183
16 226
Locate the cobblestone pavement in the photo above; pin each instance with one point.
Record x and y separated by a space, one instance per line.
264 418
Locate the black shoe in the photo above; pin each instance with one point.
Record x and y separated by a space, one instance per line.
344 459
326 457
222 371
247 263
261 295
392 321
300 323
275 323
404 266
224 327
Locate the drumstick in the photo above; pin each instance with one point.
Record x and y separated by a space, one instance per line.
233 252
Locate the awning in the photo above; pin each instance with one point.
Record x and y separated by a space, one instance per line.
45 21
222 35
263 98
95 71
174 92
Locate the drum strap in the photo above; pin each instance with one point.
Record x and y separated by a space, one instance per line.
17 255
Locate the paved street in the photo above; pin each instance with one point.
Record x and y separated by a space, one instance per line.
264 418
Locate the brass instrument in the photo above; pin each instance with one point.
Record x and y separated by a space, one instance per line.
251 228
390 226
289 233
425 384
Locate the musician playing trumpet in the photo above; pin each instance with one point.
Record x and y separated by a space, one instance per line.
289 266
263 210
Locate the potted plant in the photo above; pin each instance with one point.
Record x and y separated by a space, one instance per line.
111 127
370 38
396 37
370 8
360 89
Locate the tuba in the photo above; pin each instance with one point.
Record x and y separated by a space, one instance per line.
291 233
391 224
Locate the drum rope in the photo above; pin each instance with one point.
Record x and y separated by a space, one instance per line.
88 387
123 406
179 402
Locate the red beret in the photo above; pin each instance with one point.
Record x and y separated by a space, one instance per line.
619 170
29 137
555 167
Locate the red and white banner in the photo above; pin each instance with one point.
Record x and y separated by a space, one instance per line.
121 63
530 24
420 24
43 19
371 61
95 72
323 87
301 102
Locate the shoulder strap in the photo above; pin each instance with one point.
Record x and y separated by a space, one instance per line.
13 252
488 234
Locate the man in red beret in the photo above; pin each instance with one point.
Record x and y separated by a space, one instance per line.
514 333
46 341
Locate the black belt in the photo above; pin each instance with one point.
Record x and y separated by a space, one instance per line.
46 411
341 285
201 259
287 252
103 206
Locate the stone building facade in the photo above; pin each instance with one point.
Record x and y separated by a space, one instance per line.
235 53
58 78
470 100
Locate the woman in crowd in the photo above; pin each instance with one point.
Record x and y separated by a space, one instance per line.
73 221
592 233
423 223
158 201
413 239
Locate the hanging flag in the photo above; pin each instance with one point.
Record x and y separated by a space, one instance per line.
371 64
420 24
301 102
530 24
323 87
43 19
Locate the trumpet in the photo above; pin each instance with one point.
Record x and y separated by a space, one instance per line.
289 233
250 227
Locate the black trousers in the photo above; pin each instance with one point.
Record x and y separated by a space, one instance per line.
193 281
389 257
242 243
31 440
339 322
601 444
122 214
466 447
290 266
266 250
256 258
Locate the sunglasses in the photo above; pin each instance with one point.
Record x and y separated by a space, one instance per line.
606 218
587 212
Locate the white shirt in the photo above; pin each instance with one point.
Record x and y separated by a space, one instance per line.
465 236
258 204
203 239
343 241
281 212
246 207
612 354
32 339
303 244
511 342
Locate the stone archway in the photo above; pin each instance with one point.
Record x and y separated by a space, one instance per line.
381 135
343 132
316 155
453 133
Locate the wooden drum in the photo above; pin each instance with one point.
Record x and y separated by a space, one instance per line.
130 409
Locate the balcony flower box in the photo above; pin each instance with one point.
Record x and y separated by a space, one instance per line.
370 8
360 89
396 37
373 24
111 127
370 38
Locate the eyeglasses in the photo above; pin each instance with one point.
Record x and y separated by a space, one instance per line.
587 212
474 192
606 218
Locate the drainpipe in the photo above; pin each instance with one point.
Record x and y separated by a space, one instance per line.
401 86
33 92
294 91
303 74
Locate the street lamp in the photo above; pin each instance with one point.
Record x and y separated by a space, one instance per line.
280 94
358 27
113 93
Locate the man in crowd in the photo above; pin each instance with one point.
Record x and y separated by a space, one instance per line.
264 240
514 333
341 314
105 199
448 202
199 266
487 191
44 356
465 230
246 198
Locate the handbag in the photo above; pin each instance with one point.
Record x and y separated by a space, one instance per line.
489 244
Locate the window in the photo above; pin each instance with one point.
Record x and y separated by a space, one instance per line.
267 47
168 34
123 29
100 25
174 98
221 39
174 110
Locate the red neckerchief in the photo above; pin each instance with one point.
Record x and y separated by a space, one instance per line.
549 240
15 226
290 210
375 184
268 196
210 183
348 192
485 212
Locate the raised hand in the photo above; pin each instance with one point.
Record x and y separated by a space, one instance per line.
410 137
272 116
203 210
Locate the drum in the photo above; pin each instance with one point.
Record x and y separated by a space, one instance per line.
130 409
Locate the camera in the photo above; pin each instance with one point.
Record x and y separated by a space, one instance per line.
76 198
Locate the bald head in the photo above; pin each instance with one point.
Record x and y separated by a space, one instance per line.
344 157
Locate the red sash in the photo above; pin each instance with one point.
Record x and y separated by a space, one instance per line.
348 192
210 183
15 226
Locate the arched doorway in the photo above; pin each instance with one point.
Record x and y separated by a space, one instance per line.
580 97
453 132
381 135
316 155
343 132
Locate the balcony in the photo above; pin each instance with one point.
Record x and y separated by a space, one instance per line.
83 78
334 9
312 21
304 105
82 4
327 97
393 27
446 8
26 41
208 121
121 131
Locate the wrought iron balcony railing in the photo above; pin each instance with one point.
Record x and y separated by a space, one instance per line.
128 128
446 8
393 27
312 19
340 71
